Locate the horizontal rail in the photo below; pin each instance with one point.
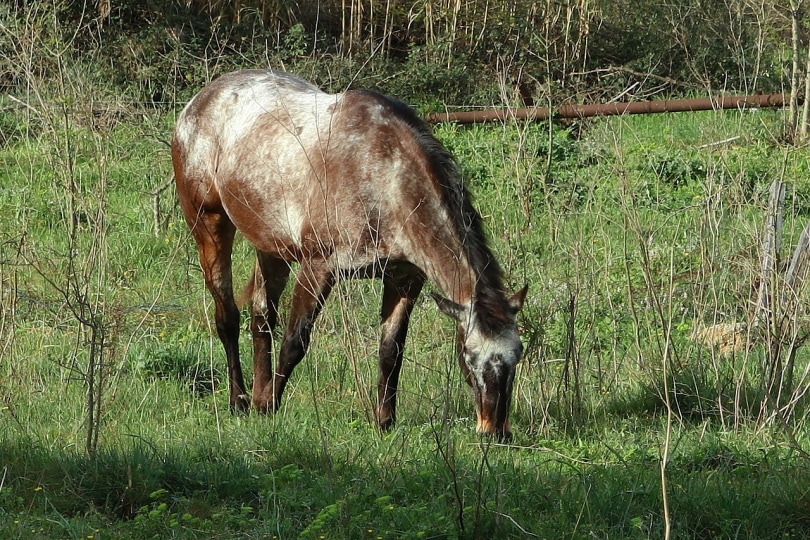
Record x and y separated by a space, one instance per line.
611 109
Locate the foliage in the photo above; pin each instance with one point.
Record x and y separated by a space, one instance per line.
654 222
635 234
459 54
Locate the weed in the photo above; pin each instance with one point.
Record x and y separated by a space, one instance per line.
636 237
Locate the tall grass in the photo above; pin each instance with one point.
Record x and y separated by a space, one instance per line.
631 242
636 235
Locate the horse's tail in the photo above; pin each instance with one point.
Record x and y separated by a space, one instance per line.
245 299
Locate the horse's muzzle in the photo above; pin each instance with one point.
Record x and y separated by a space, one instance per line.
492 400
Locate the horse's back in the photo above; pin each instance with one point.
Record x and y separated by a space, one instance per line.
300 171
233 110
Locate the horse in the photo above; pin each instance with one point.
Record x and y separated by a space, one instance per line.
346 185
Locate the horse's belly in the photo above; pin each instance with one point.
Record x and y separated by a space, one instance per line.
273 232
269 216
306 213
293 230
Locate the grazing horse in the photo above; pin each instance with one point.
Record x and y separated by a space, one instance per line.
345 185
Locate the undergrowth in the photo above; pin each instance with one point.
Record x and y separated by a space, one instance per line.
636 235
632 238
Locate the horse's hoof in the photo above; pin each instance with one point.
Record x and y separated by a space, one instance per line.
240 405
385 420
500 437
261 407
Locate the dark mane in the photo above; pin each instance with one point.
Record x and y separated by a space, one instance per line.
490 303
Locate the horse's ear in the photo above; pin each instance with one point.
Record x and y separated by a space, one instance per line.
516 300
448 307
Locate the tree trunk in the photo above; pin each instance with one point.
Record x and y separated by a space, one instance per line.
806 109
795 15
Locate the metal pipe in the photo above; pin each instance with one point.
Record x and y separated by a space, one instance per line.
611 109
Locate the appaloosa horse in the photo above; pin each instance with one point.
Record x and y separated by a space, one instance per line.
351 184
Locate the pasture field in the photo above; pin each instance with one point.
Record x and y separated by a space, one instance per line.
640 239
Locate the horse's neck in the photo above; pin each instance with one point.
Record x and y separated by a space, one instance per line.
451 271
435 247
458 286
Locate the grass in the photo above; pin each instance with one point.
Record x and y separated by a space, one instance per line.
633 233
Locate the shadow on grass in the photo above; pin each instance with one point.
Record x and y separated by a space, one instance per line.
200 490
693 396
399 486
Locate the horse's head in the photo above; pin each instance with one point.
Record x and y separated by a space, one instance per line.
488 357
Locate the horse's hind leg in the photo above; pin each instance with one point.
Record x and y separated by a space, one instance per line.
313 284
214 234
399 296
270 279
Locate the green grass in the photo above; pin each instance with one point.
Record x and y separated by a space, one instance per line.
632 236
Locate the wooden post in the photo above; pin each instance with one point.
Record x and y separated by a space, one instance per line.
771 245
797 271
794 282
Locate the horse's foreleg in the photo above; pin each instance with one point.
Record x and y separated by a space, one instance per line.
312 286
399 296
214 234
270 279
